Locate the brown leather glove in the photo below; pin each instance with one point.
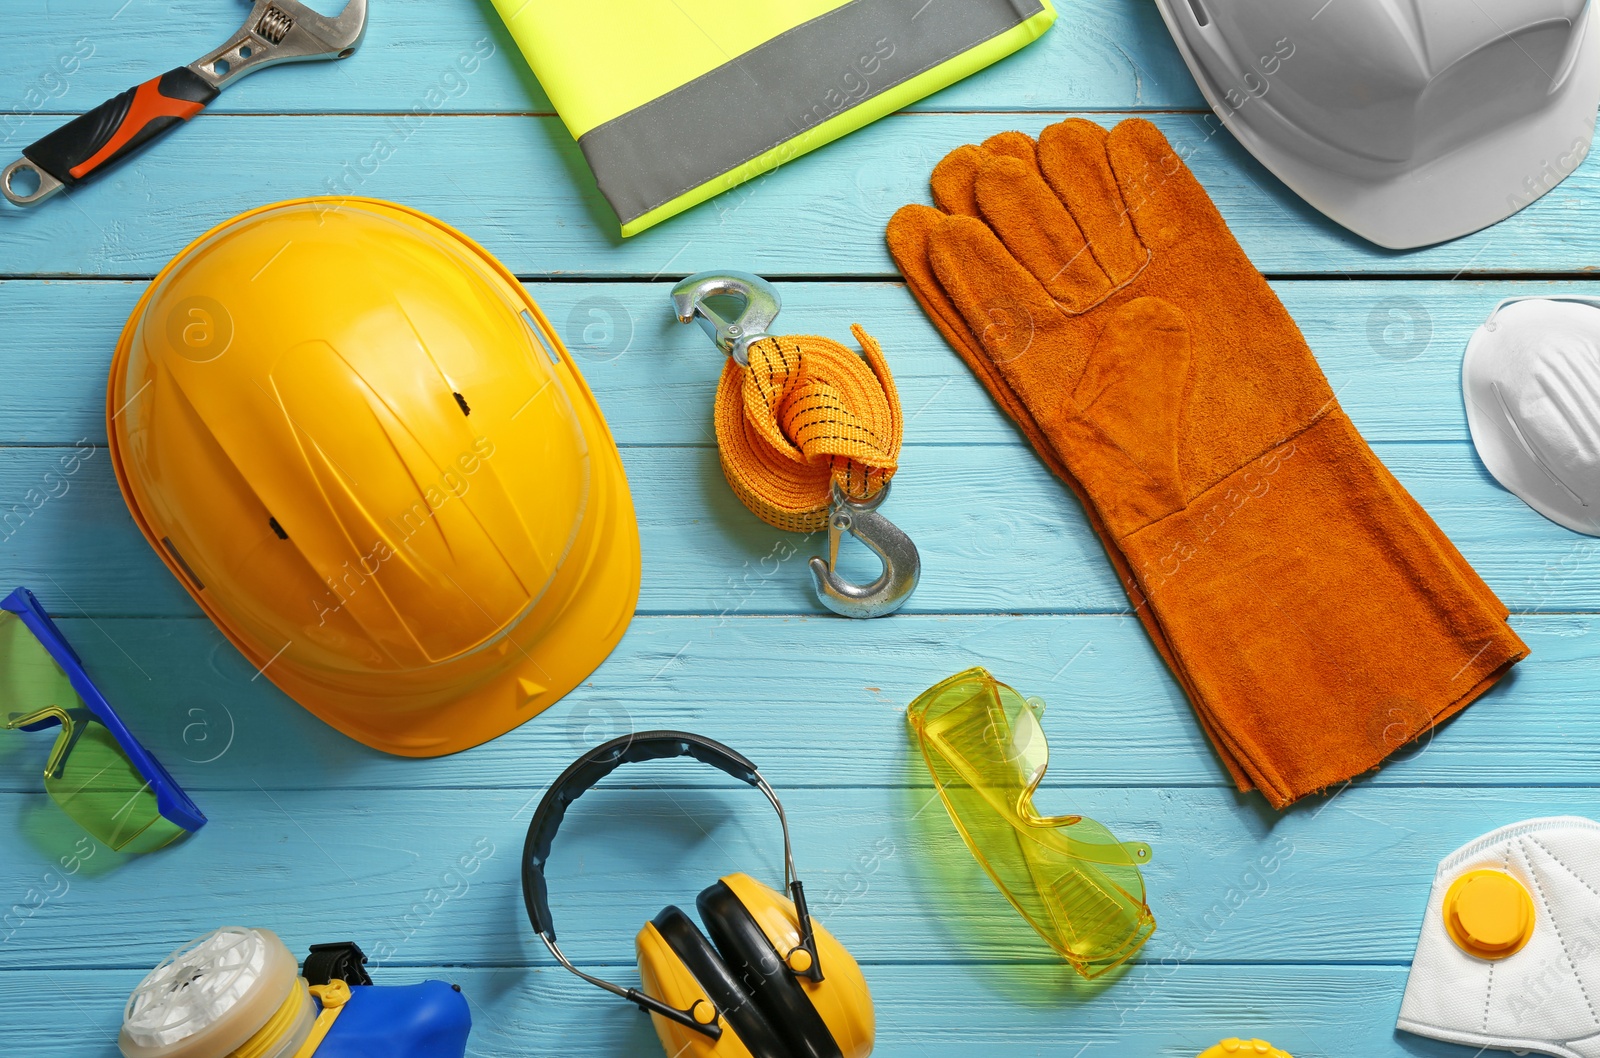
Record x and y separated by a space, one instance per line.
1316 616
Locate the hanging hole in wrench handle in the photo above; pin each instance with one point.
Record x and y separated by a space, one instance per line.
114 130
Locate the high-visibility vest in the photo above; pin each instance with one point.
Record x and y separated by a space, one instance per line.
675 101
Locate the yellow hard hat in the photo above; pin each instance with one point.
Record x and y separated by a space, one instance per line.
361 447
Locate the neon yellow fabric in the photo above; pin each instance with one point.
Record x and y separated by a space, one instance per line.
605 63
638 49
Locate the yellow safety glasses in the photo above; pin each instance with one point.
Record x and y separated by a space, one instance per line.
96 771
1075 884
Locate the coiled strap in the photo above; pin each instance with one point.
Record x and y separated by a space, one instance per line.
806 413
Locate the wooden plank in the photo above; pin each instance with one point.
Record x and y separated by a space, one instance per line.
420 53
428 879
816 702
1391 350
527 196
922 1011
998 534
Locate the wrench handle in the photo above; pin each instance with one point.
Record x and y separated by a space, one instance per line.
120 126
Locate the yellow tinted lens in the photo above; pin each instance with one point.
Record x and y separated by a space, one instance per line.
99 787
30 679
1069 877
969 722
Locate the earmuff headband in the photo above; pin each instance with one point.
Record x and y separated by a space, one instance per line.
582 775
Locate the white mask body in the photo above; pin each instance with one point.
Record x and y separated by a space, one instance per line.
1539 994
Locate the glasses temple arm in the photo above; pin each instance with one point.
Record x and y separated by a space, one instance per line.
74 722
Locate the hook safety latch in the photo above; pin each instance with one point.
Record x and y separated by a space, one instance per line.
733 336
902 565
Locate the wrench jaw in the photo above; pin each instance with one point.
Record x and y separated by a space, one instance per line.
346 31
280 31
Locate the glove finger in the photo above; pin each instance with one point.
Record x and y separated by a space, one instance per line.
909 232
1072 155
1167 203
1016 145
1012 316
1040 233
908 235
955 178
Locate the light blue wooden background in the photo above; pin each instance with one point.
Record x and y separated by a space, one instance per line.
319 838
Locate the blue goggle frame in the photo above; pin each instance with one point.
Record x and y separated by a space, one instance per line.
172 802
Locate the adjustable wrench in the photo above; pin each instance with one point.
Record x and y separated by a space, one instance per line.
276 31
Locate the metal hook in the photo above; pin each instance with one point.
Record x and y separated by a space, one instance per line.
761 305
902 565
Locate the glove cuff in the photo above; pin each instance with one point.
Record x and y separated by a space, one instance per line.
1322 626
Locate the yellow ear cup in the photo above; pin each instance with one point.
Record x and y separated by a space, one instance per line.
693 976
664 976
841 998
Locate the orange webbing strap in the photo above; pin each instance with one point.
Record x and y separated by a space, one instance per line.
806 413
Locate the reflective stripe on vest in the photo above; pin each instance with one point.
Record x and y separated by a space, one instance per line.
775 94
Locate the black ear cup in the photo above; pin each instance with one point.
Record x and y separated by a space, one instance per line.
741 1014
748 953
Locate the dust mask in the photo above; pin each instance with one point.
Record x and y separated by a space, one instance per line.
1531 381
1507 956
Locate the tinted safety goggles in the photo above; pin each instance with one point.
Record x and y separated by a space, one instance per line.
96 770
1076 884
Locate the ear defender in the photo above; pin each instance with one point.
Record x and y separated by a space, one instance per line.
758 933
679 965
763 980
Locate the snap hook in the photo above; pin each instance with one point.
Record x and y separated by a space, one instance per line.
732 336
902 565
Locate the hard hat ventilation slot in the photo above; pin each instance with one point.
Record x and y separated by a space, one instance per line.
166 542
462 401
538 332
277 528
1200 15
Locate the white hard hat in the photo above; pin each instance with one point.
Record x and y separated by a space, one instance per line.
1408 123
1531 381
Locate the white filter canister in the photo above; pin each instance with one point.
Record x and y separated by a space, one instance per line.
213 995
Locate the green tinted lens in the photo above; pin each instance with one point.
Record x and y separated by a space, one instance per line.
30 679
96 784
99 787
